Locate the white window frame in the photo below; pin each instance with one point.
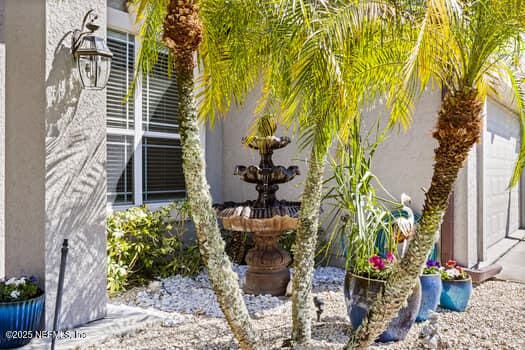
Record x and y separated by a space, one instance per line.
125 22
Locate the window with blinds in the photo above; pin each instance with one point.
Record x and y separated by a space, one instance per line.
149 144
120 169
119 114
159 98
162 169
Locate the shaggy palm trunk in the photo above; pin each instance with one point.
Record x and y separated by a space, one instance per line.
182 34
304 250
211 245
458 129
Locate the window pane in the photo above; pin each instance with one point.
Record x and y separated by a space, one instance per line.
159 99
119 114
120 169
162 169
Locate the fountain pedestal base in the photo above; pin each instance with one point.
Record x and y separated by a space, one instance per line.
267 265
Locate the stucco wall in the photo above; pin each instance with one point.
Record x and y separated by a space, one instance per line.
55 157
237 125
403 162
2 6
2 137
24 150
214 152
466 212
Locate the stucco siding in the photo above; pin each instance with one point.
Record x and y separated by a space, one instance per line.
403 162
237 125
55 157
2 138
466 213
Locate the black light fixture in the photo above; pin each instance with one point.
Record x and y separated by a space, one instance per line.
92 54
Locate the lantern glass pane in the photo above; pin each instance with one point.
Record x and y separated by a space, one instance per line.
103 69
87 67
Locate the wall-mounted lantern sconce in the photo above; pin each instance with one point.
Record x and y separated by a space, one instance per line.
92 54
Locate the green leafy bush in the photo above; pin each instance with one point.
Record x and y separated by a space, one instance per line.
145 244
237 245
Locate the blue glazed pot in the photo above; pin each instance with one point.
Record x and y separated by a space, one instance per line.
20 316
456 294
361 292
431 288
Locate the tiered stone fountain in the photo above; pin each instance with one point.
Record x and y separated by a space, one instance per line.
267 217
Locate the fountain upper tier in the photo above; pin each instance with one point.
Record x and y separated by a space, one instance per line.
266 213
266 175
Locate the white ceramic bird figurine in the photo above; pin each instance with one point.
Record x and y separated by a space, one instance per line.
404 226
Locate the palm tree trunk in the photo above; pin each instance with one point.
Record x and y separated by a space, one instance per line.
304 249
458 129
183 35
211 245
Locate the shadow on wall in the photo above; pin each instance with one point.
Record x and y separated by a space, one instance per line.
75 191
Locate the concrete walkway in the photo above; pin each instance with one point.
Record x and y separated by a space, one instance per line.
513 263
120 320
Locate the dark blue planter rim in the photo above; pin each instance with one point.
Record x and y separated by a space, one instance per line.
469 279
366 278
40 295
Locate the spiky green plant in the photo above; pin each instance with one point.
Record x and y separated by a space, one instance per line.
358 215
473 49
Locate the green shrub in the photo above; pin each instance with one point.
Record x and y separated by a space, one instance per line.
145 244
237 245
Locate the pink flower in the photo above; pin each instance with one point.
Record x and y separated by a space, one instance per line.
377 262
390 257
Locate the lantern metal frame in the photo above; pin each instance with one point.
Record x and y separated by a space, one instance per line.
97 47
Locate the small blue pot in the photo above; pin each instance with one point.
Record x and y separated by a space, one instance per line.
431 288
456 294
361 293
22 319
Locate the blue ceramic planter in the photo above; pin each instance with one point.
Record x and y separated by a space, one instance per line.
431 288
361 292
20 316
456 294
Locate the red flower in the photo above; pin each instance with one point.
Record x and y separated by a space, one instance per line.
451 263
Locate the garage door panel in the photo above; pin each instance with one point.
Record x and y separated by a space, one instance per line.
501 150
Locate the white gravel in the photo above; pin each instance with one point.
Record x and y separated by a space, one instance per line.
495 318
172 294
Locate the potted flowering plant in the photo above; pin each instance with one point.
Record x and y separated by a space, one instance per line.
365 284
457 287
21 308
431 288
358 219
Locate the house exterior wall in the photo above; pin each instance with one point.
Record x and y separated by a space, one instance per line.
236 126
214 152
54 157
2 138
403 162
466 212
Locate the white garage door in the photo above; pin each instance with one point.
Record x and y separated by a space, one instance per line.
501 147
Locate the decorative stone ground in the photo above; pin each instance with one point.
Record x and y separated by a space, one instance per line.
494 320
